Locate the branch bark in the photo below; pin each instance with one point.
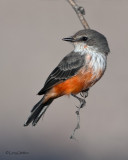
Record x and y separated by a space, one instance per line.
80 13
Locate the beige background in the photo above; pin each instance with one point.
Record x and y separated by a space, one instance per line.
30 47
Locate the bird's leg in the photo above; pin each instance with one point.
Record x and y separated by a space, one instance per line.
83 94
82 101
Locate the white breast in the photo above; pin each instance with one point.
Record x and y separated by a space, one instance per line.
97 63
95 60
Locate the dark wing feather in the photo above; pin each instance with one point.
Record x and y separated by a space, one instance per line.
68 67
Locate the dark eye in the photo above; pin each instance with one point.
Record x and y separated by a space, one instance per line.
84 38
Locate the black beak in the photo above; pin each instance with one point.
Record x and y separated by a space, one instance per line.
69 39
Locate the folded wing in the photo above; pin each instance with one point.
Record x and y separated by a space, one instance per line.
67 68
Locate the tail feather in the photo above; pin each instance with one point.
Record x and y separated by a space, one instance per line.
37 111
39 116
40 102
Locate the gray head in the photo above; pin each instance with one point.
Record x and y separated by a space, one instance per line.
90 38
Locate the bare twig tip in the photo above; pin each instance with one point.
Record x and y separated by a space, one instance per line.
82 10
80 13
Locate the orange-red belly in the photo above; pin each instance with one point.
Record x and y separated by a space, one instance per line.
74 85
82 81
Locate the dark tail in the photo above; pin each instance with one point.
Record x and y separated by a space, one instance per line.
37 111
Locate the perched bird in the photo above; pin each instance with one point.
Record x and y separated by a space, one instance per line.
76 73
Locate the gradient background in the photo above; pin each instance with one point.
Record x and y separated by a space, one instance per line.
30 47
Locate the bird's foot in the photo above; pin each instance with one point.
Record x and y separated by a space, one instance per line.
81 100
84 94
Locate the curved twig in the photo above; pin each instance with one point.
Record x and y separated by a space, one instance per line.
80 13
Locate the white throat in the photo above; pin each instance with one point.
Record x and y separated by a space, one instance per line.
80 47
98 59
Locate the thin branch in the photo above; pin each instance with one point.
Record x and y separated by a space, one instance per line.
77 125
84 95
80 13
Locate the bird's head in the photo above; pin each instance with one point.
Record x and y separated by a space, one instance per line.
88 39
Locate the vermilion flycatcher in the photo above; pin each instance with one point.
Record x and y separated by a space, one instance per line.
76 73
